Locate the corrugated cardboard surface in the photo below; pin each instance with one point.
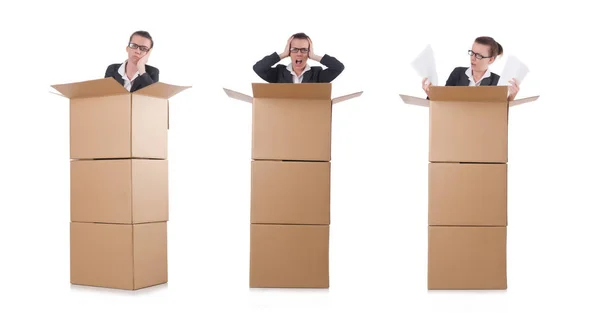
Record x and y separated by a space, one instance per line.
469 94
292 91
291 129
150 254
118 256
101 127
150 186
119 191
122 126
91 88
468 132
467 194
101 191
290 192
289 256
467 257
149 127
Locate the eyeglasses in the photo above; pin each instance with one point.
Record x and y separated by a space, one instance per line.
135 46
477 55
301 50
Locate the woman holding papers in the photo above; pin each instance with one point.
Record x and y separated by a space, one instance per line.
484 52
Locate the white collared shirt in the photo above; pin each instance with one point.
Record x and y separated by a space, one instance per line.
472 81
127 83
297 79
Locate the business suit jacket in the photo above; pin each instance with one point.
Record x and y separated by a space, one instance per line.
280 74
144 80
459 78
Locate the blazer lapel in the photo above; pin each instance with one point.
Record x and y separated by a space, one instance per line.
463 80
287 77
118 78
307 78
486 81
135 84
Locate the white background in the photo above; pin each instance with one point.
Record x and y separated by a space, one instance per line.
379 162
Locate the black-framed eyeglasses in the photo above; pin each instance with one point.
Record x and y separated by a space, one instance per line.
477 55
301 50
135 46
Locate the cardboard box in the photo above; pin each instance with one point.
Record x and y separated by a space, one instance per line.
285 192
119 182
119 256
467 257
107 121
467 194
289 256
128 191
290 184
468 152
468 124
291 121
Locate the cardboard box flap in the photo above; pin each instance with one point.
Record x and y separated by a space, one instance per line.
346 97
161 90
91 88
56 93
238 95
319 91
522 101
415 100
468 93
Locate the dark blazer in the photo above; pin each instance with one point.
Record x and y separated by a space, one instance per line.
459 78
144 80
279 74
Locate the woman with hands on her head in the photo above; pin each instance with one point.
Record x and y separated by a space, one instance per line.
299 48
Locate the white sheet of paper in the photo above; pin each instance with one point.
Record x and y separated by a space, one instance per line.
514 68
424 64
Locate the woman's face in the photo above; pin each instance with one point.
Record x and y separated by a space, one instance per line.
480 58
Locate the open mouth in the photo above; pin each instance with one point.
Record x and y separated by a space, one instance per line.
298 62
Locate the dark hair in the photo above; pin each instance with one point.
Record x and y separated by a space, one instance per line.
300 36
144 34
495 47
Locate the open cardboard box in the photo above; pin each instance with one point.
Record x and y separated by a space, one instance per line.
119 186
291 121
456 93
107 121
468 124
291 153
468 152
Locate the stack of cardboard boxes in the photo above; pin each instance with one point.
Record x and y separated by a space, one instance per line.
119 183
290 184
468 154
